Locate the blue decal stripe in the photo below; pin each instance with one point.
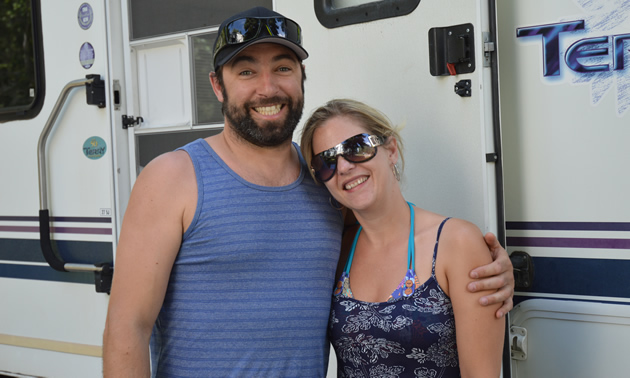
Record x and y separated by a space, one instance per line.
591 277
79 252
44 273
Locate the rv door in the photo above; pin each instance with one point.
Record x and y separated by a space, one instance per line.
431 67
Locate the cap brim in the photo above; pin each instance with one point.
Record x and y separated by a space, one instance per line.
229 52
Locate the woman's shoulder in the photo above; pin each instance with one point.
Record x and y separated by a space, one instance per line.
463 240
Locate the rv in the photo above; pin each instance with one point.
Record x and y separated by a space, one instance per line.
516 117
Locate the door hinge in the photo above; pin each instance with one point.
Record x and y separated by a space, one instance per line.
131 121
518 343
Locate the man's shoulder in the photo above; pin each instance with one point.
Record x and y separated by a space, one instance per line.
171 170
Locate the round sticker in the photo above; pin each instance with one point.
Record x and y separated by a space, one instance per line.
94 148
86 55
85 16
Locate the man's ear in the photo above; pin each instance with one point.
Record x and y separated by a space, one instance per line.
216 87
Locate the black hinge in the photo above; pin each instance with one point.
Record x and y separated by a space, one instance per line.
131 121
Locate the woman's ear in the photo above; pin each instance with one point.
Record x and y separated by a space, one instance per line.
392 149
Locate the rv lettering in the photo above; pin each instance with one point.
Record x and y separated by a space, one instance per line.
583 48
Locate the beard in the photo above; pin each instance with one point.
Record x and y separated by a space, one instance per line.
268 134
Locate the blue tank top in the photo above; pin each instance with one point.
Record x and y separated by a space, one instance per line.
410 335
249 292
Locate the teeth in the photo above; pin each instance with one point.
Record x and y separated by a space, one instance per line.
269 110
355 183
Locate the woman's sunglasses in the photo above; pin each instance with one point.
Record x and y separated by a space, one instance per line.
248 28
357 149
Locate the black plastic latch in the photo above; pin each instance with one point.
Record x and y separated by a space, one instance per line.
130 121
523 270
452 50
464 88
95 91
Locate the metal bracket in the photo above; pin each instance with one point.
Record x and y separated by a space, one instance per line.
463 88
131 121
488 49
103 278
518 343
116 86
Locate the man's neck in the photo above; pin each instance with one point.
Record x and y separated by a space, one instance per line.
265 166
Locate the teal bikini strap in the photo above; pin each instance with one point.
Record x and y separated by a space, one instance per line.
411 250
354 245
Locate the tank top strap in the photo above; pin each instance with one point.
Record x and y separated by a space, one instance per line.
437 241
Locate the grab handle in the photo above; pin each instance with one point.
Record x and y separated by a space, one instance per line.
94 89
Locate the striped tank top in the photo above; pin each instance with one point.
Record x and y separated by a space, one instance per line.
249 292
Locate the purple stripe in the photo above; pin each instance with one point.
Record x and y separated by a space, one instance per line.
60 230
569 226
568 243
58 219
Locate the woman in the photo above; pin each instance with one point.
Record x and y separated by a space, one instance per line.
400 307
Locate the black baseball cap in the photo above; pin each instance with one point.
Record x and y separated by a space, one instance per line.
238 32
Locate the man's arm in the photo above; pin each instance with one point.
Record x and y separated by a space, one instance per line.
497 275
149 242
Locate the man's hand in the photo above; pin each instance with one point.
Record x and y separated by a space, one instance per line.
498 276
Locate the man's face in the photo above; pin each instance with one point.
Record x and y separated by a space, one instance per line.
262 94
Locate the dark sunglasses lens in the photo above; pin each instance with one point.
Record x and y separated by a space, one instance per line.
357 149
242 30
324 167
284 28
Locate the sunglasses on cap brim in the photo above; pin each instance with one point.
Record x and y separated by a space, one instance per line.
249 28
357 149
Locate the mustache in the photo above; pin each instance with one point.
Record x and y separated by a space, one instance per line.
268 101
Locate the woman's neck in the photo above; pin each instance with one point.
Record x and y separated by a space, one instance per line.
386 222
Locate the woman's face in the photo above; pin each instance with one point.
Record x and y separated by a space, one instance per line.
355 185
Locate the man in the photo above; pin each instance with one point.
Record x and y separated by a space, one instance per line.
228 249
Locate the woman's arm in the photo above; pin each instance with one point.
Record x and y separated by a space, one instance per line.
479 333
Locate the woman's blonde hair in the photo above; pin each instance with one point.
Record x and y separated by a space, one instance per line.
374 121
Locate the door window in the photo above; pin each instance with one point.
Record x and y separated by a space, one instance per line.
21 62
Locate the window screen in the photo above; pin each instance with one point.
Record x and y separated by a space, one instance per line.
207 107
150 18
